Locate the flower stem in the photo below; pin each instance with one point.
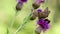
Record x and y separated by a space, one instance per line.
7 31
27 19
13 21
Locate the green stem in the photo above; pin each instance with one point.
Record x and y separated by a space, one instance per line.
7 31
13 21
27 19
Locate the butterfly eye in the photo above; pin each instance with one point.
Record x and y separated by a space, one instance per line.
19 6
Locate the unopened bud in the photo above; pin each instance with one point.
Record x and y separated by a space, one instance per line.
35 5
38 30
19 6
34 14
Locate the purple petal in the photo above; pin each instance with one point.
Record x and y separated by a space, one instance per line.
39 10
22 0
40 1
43 23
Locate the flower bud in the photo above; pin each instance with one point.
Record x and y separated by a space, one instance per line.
22 1
44 23
34 14
37 3
19 6
38 30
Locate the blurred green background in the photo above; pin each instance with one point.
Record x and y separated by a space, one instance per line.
7 13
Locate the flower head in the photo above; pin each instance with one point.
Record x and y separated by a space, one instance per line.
19 6
35 5
22 1
40 1
44 23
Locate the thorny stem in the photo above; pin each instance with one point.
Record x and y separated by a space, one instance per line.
27 19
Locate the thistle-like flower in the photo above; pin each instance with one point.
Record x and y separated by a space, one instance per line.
43 25
42 21
22 1
20 4
37 3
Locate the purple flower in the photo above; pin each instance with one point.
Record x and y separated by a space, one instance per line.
19 6
44 23
37 3
22 1
39 10
40 1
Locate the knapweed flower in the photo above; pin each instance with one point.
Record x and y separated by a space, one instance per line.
22 1
43 25
20 4
41 1
37 3
43 14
